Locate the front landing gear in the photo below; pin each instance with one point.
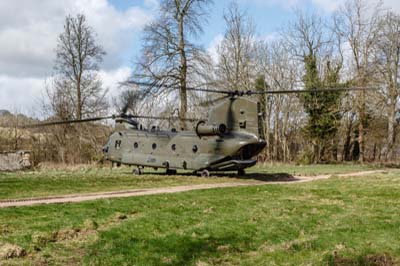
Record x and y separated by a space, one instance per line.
241 172
137 171
205 173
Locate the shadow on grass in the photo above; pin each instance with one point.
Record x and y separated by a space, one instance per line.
264 177
173 249
270 177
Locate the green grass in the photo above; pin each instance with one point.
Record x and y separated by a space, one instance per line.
46 183
292 224
313 169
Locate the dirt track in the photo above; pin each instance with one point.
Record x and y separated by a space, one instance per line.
165 190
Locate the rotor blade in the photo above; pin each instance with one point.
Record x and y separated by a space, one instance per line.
162 118
176 87
249 92
211 102
61 122
145 84
211 90
308 91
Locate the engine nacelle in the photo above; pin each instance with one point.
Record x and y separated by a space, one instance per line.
210 130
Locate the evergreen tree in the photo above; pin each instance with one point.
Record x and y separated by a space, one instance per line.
322 108
261 85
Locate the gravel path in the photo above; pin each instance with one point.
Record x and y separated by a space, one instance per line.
165 190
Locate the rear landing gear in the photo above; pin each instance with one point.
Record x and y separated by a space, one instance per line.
241 172
171 172
205 173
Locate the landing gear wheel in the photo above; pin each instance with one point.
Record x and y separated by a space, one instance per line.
241 172
137 171
205 173
171 172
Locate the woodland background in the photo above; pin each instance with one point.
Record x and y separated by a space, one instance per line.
358 47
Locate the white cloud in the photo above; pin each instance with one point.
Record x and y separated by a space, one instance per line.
328 5
332 5
270 37
151 3
28 38
21 94
112 79
26 94
324 5
287 4
213 47
393 4
29 31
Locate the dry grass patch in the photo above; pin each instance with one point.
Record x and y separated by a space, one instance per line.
10 251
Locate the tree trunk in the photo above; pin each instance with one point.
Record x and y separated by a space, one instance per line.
361 127
316 151
276 138
268 131
335 144
79 99
374 153
347 142
276 128
391 137
183 75
285 146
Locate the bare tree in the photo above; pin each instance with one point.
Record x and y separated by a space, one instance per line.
387 56
15 133
305 35
77 64
169 57
309 40
282 111
235 69
75 92
357 23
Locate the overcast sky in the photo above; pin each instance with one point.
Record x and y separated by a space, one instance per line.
29 30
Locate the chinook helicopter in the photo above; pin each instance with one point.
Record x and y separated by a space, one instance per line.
228 140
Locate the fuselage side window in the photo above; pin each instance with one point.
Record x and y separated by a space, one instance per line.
118 144
195 148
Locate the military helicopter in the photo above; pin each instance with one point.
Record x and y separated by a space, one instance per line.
228 140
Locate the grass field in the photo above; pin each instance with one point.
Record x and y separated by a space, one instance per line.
56 182
339 221
46 183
